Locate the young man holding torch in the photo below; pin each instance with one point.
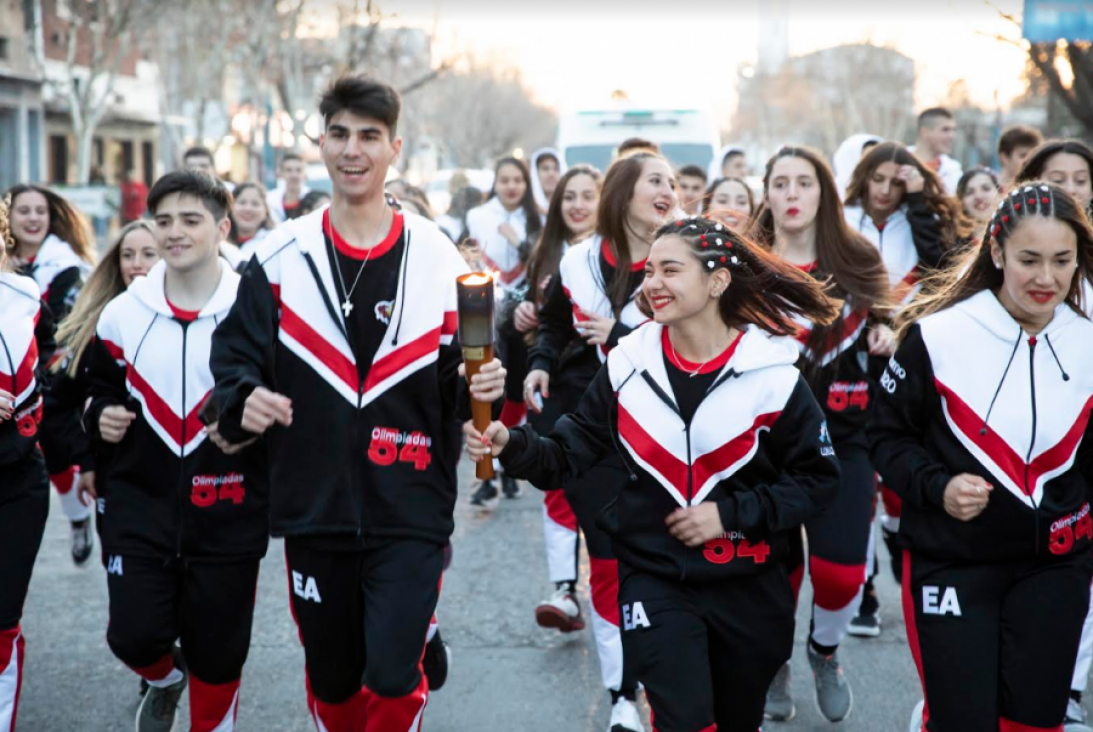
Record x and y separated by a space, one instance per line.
341 351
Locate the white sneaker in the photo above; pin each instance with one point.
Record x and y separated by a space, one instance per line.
625 717
1075 718
916 717
561 611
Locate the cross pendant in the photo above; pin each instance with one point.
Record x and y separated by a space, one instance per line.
347 308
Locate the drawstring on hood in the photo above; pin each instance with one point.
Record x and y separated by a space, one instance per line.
402 306
1013 354
998 389
1066 376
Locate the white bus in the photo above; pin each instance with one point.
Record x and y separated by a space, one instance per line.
685 136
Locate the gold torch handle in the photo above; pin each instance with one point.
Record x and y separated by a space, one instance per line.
481 412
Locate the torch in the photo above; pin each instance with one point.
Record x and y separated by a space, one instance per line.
474 302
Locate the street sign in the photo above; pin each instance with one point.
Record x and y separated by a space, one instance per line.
1047 21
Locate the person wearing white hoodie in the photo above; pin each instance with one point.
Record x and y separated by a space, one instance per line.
51 245
899 204
547 168
503 231
936 133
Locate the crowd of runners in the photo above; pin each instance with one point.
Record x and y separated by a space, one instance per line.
721 389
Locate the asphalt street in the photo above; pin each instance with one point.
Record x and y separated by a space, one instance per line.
507 673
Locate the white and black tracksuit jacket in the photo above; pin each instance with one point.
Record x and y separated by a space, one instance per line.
169 491
969 391
26 345
757 447
910 242
363 456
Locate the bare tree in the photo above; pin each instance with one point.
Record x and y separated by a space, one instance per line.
1046 58
822 98
482 113
99 37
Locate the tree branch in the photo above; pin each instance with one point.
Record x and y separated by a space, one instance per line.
423 80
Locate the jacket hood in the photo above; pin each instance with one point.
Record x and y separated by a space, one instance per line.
757 350
536 185
847 156
985 309
151 291
56 253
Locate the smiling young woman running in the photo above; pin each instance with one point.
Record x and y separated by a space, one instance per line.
727 452
587 308
51 245
994 471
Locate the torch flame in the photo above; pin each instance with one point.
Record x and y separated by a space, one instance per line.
476 279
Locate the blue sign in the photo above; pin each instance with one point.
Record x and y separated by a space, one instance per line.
1047 21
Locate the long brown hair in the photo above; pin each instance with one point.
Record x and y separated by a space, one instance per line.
5 233
618 189
975 271
955 224
848 265
531 209
547 254
105 283
765 291
851 263
65 222
1033 167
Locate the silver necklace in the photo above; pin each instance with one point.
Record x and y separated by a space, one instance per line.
675 359
347 305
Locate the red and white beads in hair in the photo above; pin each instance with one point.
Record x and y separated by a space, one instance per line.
712 242
1022 202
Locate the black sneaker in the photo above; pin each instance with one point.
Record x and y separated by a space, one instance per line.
486 495
867 623
82 542
436 661
510 487
895 551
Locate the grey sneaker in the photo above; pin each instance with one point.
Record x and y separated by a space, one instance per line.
156 712
779 706
1075 718
833 695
